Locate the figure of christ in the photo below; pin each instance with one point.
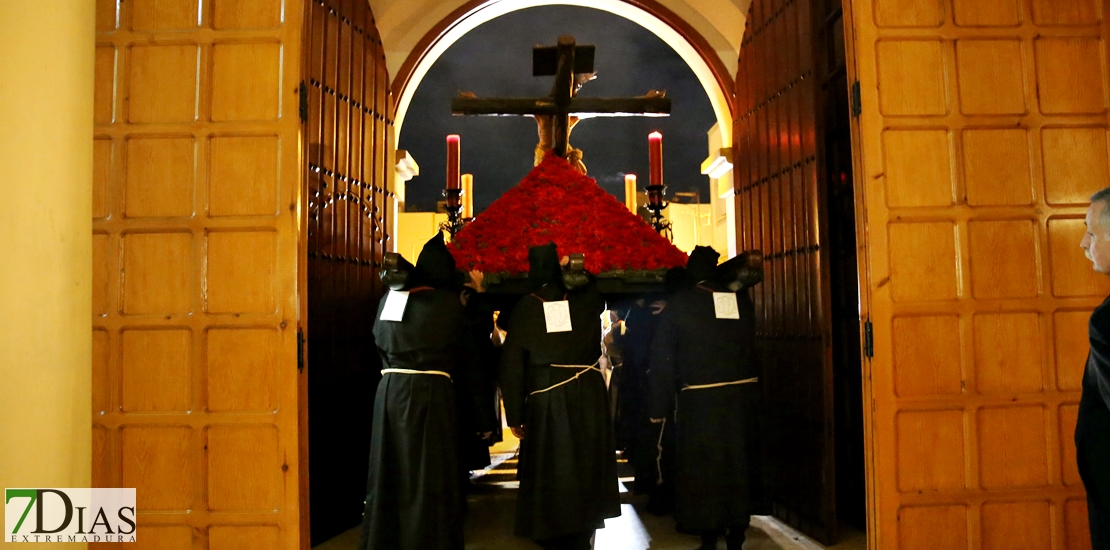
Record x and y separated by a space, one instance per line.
557 403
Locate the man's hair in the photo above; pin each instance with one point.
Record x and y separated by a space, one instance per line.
1103 196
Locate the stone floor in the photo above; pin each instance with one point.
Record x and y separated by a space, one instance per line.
492 530
492 503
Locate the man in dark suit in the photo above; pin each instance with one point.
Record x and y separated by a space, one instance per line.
1092 431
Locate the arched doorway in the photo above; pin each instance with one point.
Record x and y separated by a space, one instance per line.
698 40
799 269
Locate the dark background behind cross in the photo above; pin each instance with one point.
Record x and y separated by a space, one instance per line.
495 60
571 65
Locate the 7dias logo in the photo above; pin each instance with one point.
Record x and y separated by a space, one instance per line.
69 515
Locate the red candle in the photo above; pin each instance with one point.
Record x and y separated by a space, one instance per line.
453 161
655 153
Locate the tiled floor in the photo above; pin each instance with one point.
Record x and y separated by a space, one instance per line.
489 523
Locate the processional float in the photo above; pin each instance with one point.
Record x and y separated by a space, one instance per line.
598 233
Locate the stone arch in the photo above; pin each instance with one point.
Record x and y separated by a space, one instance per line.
703 54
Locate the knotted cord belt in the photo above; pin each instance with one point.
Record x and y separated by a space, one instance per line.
659 444
720 384
414 371
585 369
659 454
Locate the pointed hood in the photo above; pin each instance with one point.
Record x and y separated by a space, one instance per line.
543 266
702 263
677 279
435 267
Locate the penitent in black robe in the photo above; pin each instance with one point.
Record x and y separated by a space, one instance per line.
567 466
635 432
717 480
414 499
476 386
1092 430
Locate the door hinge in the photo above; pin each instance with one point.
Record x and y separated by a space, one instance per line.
868 339
304 102
857 101
300 350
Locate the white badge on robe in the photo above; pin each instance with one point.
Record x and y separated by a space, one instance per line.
557 315
395 303
724 304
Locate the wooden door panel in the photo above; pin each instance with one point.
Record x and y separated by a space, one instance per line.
793 169
197 178
973 277
780 212
348 120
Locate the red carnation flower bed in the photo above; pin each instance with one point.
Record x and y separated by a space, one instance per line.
555 203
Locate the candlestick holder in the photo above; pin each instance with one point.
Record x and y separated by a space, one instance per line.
656 205
455 221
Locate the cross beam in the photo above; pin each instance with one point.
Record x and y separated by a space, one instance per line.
570 73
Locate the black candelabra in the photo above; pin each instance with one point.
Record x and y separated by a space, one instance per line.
656 204
455 221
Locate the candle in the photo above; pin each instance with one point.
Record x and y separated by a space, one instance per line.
630 192
468 195
655 153
453 161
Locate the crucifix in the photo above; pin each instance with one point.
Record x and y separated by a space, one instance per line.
557 113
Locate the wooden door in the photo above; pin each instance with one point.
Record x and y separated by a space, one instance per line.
983 133
197 184
842 248
348 127
781 209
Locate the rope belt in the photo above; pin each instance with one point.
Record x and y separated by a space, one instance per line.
414 371
585 369
659 454
720 384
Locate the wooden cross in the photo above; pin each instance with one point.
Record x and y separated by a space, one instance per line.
572 66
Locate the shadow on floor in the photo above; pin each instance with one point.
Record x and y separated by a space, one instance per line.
492 503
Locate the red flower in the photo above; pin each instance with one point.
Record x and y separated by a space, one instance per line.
555 203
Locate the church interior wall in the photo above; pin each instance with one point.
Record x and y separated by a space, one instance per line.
414 229
691 225
718 165
46 249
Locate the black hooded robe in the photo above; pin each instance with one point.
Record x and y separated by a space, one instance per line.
1092 429
717 481
476 387
567 465
634 429
414 499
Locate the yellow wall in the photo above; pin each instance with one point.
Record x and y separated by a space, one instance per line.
46 111
414 229
692 225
